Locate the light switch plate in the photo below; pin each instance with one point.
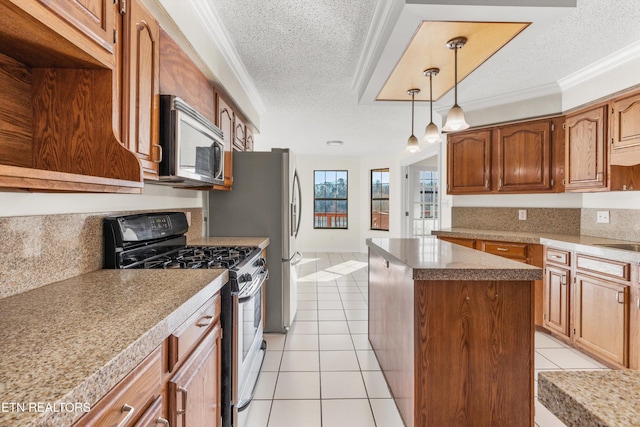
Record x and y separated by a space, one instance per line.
602 217
522 214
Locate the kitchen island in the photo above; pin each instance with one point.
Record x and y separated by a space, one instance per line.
453 330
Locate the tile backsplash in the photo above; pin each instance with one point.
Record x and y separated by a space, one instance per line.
539 220
624 224
38 250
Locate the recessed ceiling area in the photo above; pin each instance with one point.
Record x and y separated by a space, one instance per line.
428 49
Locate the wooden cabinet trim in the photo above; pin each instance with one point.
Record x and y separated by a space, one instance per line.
603 267
183 339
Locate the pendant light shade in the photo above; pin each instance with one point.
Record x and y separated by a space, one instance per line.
413 146
455 118
431 133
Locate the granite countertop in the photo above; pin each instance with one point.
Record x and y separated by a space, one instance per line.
592 398
433 259
74 340
260 242
570 242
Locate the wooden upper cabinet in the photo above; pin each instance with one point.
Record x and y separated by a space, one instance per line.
93 18
248 143
240 136
141 87
225 120
625 131
469 162
524 157
586 150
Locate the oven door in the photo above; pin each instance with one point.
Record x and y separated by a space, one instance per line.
250 348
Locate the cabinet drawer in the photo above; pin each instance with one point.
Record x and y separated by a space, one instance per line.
604 267
508 250
558 256
469 243
183 339
126 401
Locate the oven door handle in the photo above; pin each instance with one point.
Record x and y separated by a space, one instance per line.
253 289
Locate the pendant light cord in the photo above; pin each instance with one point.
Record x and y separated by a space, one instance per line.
455 75
431 97
413 94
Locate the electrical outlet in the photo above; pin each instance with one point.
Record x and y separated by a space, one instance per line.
602 217
522 214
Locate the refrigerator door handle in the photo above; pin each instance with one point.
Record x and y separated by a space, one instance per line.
298 206
296 255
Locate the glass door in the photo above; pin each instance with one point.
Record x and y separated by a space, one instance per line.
423 200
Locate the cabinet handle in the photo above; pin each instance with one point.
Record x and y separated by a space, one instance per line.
162 421
563 280
599 176
204 321
185 395
486 184
130 411
159 153
555 256
620 300
502 249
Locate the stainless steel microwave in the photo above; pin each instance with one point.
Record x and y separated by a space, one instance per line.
192 146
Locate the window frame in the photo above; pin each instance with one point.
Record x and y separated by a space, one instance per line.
345 199
372 199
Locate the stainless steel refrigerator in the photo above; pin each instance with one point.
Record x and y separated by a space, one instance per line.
265 201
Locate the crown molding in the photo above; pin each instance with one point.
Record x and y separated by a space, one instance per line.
217 34
602 66
384 13
505 99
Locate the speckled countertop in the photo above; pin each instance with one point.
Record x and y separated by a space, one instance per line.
74 340
433 259
592 398
584 244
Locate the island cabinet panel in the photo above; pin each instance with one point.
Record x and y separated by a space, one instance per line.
469 162
586 150
391 316
524 157
453 352
472 350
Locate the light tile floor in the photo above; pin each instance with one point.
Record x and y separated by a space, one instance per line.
323 373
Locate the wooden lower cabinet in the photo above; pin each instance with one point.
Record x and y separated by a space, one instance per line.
178 384
516 251
453 352
601 318
557 286
194 390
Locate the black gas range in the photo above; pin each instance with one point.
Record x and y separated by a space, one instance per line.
158 241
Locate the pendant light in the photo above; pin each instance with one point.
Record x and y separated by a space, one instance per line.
431 133
412 144
455 118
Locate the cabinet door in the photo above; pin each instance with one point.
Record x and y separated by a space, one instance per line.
524 153
248 143
194 391
239 137
556 299
225 121
601 318
585 160
141 87
625 135
94 18
153 416
469 162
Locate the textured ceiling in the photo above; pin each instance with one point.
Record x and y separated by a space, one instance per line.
302 56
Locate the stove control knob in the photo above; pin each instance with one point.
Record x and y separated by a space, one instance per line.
261 262
245 278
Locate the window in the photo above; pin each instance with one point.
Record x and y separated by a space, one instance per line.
380 199
330 199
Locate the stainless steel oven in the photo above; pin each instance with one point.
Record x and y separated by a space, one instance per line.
249 352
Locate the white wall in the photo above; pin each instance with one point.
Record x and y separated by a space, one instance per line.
153 197
359 176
